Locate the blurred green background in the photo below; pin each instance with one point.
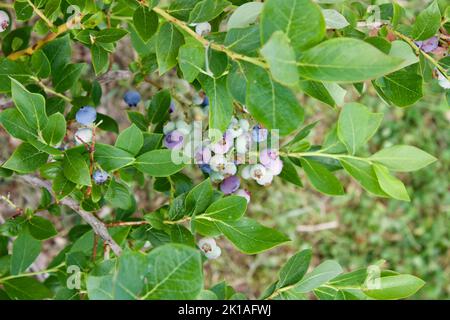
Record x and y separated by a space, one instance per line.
359 229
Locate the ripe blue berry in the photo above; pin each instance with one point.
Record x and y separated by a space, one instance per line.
86 115
206 168
100 176
205 102
132 98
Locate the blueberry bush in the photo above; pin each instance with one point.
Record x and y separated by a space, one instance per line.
244 67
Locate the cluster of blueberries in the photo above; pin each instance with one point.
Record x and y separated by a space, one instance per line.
428 46
86 117
221 158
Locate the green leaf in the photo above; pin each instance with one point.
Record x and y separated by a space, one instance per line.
230 208
364 173
300 20
124 282
294 270
25 159
273 105
340 60
152 141
100 59
26 288
181 9
334 20
118 195
289 172
206 10
250 237
111 158
402 88
403 158
75 168
390 184
15 124
321 178
158 109
67 77
40 64
110 35
23 10
13 69
180 234
138 119
281 59
131 139
317 90
55 130
62 187
59 53
199 198
244 40
41 229
30 105
320 275
245 15
221 102
427 23
146 22
191 59
357 125
168 42
237 83
25 251
354 278
175 272
395 287
158 163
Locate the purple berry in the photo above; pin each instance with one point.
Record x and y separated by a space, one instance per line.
223 145
202 155
205 102
430 44
132 98
100 176
259 134
172 107
230 185
267 156
174 140
86 115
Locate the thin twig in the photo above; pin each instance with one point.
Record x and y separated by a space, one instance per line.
40 14
98 226
48 38
218 47
418 50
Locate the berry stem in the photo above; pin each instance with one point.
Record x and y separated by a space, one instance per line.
218 47
48 38
325 155
30 274
418 51
50 90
